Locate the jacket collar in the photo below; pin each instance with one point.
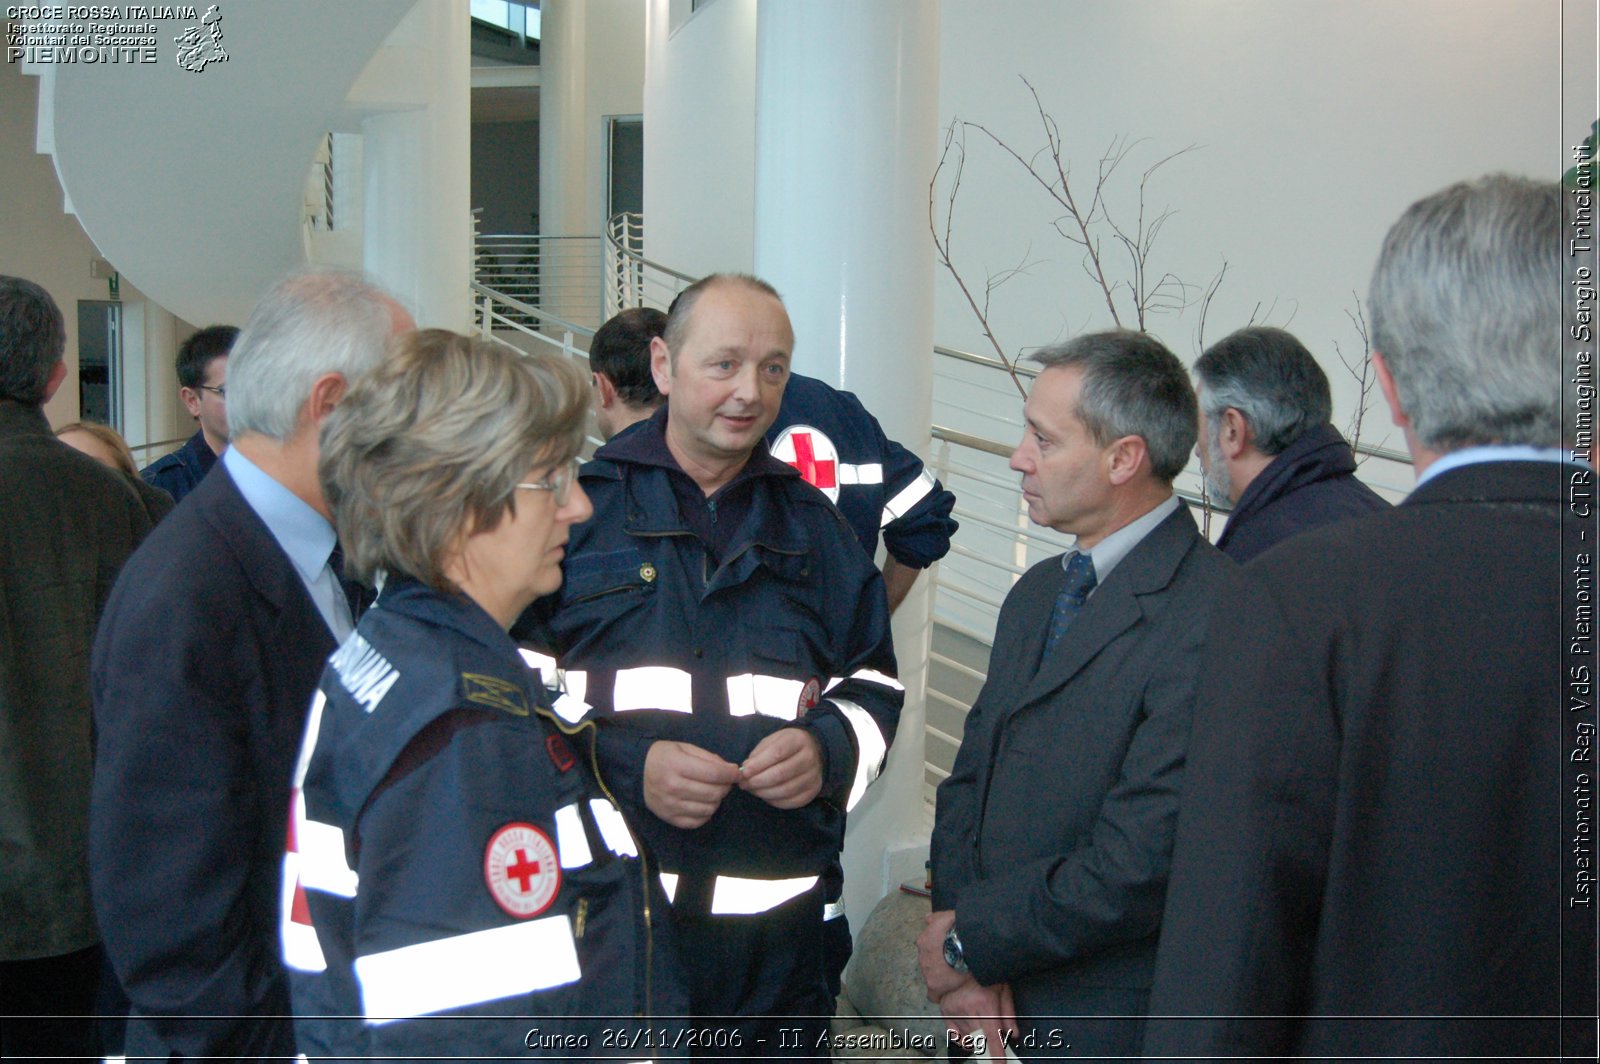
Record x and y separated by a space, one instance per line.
408 597
1500 482
652 508
1321 453
21 419
1114 607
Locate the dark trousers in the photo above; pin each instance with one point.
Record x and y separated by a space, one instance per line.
757 986
49 1006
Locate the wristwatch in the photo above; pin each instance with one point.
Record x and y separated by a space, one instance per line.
953 955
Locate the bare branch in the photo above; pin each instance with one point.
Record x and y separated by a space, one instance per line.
1205 305
954 156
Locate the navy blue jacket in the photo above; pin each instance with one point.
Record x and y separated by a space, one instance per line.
1310 483
206 659
791 629
877 484
457 874
180 472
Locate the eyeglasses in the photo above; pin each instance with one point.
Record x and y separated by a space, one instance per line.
221 390
560 482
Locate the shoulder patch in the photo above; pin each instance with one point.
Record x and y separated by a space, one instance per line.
495 693
521 870
810 451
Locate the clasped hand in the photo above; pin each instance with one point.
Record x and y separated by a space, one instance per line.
685 784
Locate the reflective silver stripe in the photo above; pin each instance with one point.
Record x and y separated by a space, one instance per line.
322 855
298 941
613 828
833 910
570 706
869 740
771 696
908 497
653 687
733 896
883 679
543 662
865 473
669 884
571 842
469 969
302 950
573 683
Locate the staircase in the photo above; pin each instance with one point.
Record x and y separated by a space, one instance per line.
191 182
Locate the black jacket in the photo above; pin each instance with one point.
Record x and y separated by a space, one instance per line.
1312 482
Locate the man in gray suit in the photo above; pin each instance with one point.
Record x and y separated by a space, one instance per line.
1054 830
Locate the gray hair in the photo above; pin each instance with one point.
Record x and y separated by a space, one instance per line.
430 446
308 324
1269 377
1467 311
679 313
33 338
1132 386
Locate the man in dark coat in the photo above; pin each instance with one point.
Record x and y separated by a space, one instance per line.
1266 444
67 523
213 642
1054 829
1383 851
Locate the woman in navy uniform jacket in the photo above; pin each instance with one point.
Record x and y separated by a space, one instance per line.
457 880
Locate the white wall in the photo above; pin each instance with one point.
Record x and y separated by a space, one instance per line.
593 57
1316 122
42 243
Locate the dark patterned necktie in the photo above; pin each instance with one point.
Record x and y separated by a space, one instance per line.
1075 590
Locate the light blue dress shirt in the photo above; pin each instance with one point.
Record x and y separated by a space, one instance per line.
305 536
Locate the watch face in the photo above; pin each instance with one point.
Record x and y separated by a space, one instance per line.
952 952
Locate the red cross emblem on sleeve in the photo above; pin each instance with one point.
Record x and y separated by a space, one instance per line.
522 870
810 451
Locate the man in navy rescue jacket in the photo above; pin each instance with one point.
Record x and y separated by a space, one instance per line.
721 614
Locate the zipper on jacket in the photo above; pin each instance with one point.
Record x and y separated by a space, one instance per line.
644 862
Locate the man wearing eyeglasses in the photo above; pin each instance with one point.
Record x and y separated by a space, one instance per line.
203 387
719 616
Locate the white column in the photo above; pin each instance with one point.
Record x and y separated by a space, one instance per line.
847 100
563 141
417 228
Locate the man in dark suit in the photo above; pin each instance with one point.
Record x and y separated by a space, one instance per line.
203 670
1267 444
1054 828
1384 851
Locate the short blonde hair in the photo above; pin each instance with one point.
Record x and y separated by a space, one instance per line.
429 446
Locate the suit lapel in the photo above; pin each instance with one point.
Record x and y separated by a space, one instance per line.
252 542
1112 610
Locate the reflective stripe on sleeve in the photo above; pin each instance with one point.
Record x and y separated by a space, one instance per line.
322 856
833 910
907 497
570 706
571 842
771 696
669 884
865 473
449 973
883 679
733 896
613 828
653 687
573 685
870 743
297 938
543 662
